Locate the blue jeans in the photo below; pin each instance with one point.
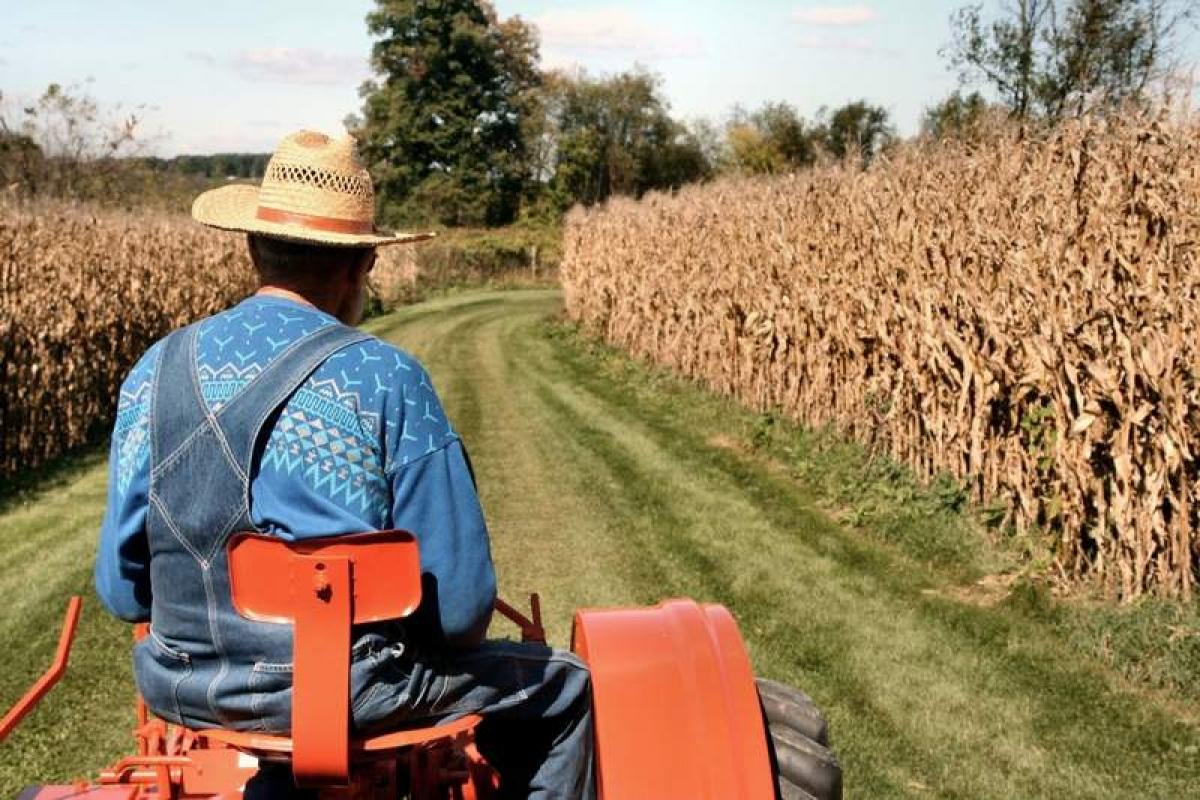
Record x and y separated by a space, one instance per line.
535 702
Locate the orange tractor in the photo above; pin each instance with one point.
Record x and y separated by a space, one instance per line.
678 713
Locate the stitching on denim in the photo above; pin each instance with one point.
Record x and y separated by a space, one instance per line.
160 468
192 360
256 700
558 657
223 442
166 649
366 698
162 512
258 672
158 360
218 648
160 464
239 514
187 673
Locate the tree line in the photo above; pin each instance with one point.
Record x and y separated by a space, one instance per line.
64 145
462 126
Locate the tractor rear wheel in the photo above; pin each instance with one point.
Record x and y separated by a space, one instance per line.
798 735
789 706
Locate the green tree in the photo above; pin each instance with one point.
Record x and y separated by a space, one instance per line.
794 139
442 120
773 139
958 116
858 129
614 135
749 150
1049 59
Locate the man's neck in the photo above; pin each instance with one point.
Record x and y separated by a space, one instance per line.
322 304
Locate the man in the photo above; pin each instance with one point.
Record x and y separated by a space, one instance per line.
278 416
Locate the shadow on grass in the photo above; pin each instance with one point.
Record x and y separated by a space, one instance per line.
16 490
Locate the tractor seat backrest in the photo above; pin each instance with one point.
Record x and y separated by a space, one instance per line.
323 587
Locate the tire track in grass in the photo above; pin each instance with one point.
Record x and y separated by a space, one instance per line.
658 575
1024 691
668 562
536 523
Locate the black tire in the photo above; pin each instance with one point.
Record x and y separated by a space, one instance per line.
805 764
788 791
787 705
797 735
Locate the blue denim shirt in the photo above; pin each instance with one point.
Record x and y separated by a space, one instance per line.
363 445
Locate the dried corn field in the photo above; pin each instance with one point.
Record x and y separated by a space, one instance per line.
1021 314
83 293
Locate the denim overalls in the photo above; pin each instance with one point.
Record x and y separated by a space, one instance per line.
203 665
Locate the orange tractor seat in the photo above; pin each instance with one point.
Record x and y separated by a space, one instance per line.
323 587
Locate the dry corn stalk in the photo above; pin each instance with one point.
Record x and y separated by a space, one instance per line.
82 294
1021 314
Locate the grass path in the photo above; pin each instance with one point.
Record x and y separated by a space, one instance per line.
606 484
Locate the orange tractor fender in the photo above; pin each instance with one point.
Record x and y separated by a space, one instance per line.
676 710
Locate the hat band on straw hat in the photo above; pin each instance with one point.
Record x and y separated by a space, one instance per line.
330 224
320 223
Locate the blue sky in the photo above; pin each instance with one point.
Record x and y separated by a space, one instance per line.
237 75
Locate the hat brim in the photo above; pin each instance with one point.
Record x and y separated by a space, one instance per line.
233 208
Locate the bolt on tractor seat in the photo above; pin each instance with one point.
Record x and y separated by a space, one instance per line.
323 587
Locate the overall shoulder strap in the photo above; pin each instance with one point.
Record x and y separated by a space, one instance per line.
242 418
176 407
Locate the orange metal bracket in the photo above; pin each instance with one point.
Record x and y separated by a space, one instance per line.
320 708
531 627
49 677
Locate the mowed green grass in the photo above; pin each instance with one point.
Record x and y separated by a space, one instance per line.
605 483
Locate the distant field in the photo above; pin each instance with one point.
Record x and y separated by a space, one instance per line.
606 483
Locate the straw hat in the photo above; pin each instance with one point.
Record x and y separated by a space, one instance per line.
315 190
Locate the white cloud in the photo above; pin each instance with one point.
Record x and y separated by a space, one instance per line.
300 65
835 16
610 30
